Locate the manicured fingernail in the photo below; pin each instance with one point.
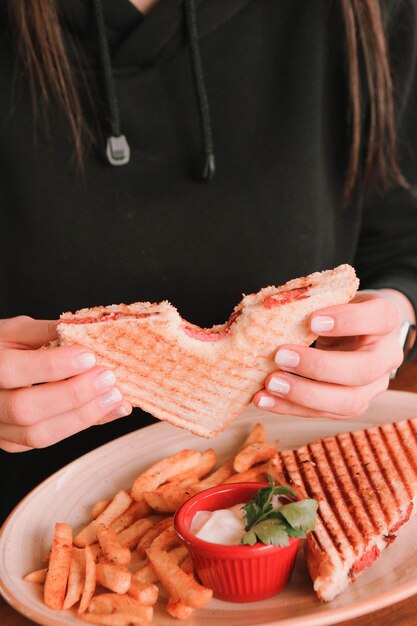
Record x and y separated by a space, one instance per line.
278 385
287 358
84 361
121 411
110 398
322 324
266 402
105 380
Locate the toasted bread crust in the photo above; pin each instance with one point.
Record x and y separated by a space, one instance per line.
200 379
366 485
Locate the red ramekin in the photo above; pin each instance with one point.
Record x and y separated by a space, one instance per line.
239 573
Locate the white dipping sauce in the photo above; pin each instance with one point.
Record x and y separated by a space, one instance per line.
223 526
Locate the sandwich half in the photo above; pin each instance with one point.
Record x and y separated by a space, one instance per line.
366 486
197 378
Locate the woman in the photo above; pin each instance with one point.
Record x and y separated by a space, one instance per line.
110 123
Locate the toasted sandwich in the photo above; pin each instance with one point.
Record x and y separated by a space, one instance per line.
198 378
366 486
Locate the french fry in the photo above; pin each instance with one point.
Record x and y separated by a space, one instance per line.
177 583
117 506
147 575
146 540
255 474
115 619
175 607
157 502
167 540
130 536
113 577
98 508
163 470
115 603
90 581
37 577
113 550
220 475
137 510
183 491
258 434
76 578
145 593
257 452
59 566
207 462
178 609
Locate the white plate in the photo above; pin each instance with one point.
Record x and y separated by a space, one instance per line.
68 495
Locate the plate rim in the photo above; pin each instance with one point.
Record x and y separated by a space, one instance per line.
332 616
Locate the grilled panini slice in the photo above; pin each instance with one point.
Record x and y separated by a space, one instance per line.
366 486
195 378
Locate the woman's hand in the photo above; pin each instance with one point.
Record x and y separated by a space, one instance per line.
49 394
349 366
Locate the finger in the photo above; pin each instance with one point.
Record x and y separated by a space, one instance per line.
265 401
358 368
20 368
49 431
337 399
24 331
28 405
374 316
7 446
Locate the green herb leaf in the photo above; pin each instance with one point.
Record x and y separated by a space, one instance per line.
300 515
272 525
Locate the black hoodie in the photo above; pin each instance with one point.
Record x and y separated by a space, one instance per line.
274 73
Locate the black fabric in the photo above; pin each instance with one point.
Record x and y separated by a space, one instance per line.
275 75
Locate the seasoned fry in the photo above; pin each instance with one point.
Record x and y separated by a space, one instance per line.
137 510
37 577
76 578
157 502
258 473
146 574
90 581
98 508
163 470
117 506
115 619
258 434
59 566
167 540
113 577
178 609
115 603
220 475
207 462
145 593
113 550
130 536
146 540
178 583
253 453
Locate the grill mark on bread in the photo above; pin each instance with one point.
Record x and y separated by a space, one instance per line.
335 489
408 437
319 490
375 473
399 460
362 490
319 538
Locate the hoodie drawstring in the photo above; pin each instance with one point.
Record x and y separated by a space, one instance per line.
117 147
208 168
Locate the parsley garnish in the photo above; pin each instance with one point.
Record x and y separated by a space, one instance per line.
271 525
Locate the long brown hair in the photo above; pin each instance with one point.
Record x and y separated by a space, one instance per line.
41 44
